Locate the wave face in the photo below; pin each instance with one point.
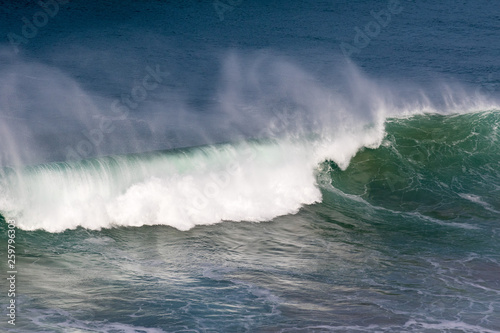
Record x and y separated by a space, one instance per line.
425 164
440 166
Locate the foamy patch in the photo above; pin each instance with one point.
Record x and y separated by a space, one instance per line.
444 223
411 325
198 187
65 321
253 190
446 325
477 200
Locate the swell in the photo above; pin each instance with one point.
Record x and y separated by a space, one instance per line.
423 164
444 167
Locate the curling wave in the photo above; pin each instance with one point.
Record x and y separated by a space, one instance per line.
423 163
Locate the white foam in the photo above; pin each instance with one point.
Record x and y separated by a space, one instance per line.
446 325
209 185
44 320
477 200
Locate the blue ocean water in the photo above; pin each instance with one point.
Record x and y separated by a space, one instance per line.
243 166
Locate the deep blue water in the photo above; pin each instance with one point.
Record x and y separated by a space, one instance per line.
244 166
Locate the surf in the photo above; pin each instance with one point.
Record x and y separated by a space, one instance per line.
415 165
184 188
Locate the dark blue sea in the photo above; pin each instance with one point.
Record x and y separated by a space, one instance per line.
250 166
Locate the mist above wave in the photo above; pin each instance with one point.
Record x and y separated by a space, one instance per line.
55 114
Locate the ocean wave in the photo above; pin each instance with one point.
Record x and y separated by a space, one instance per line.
418 164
